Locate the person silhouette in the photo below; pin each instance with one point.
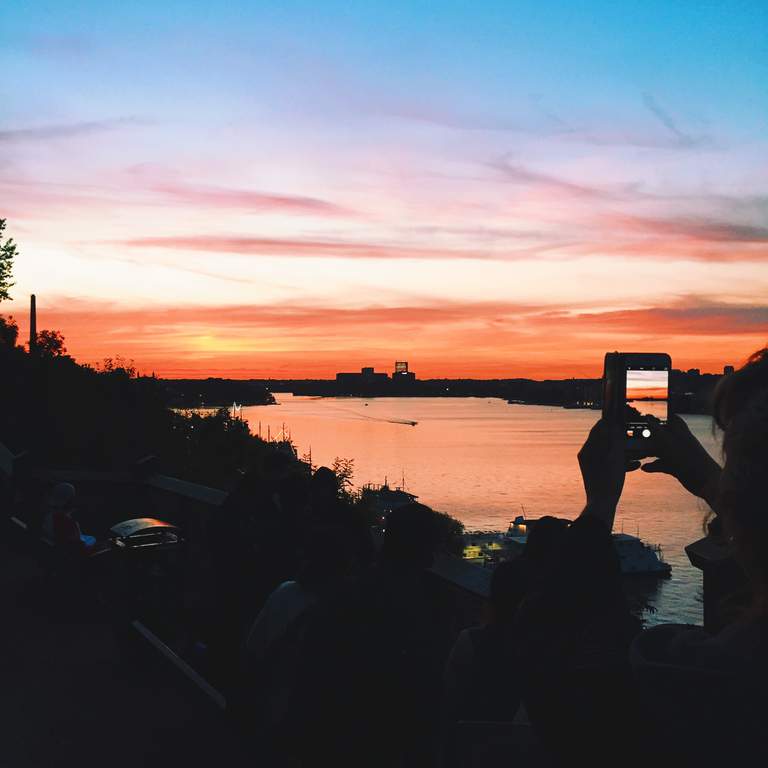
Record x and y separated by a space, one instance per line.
707 694
59 526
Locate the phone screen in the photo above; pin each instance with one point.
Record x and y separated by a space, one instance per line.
647 395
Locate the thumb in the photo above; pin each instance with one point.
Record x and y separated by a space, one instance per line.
656 466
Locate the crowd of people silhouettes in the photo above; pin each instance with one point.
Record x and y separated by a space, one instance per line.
344 649
355 657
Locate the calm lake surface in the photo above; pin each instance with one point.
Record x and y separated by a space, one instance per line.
483 461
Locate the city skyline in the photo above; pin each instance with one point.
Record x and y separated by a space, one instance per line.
493 190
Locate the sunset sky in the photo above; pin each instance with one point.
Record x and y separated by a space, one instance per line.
483 189
645 384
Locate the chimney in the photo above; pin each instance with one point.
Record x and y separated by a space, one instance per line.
32 323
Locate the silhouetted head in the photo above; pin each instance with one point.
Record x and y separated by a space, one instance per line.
543 540
325 486
324 558
741 411
276 464
508 588
336 545
62 496
410 536
586 567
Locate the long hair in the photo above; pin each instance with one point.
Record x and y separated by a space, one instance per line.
741 411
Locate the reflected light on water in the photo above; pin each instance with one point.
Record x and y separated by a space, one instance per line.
485 462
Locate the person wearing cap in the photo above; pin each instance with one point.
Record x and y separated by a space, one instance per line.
59 526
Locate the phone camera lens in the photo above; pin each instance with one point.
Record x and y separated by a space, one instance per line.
646 432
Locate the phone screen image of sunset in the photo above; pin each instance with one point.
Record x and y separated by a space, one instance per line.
647 393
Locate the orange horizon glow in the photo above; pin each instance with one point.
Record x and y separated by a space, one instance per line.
648 393
470 340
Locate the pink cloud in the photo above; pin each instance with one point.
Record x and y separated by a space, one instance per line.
518 174
695 228
305 248
250 200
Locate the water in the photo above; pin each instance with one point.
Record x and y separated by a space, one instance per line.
483 461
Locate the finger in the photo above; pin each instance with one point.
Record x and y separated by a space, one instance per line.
652 467
632 466
662 434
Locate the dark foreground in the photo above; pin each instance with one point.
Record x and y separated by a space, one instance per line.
77 693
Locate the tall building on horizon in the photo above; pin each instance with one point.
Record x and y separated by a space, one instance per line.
32 322
401 373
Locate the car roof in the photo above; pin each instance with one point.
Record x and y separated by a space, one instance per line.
140 525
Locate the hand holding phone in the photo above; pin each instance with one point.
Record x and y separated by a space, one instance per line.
683 457
603 465
636 397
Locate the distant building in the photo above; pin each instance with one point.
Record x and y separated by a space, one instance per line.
366 378
402 374
727 370
369 383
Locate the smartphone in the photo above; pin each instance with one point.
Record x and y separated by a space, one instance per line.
636 386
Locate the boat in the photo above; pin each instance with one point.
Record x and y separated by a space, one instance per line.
636 557
383 498
517 535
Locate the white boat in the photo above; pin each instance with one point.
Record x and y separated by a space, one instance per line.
638 558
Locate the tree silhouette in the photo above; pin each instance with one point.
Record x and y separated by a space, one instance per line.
344 469
119 366
9 331
50 344
8 251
